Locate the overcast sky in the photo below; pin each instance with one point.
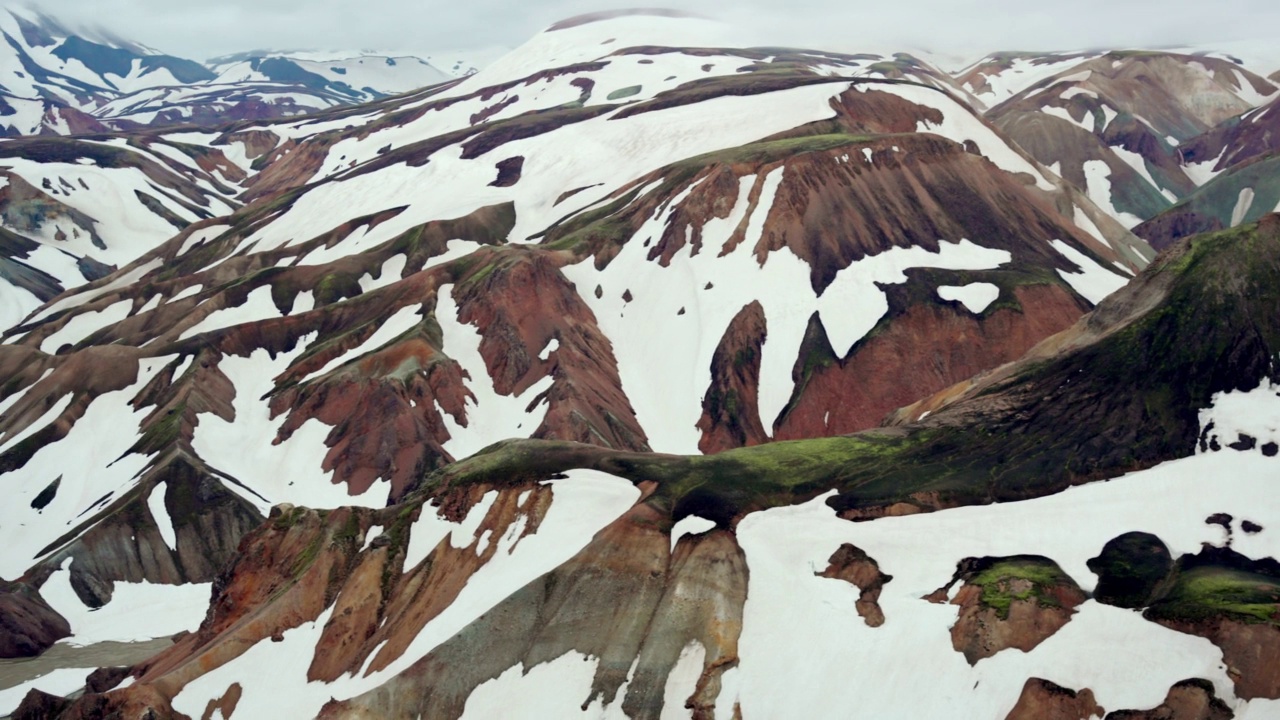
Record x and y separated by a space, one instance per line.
201 29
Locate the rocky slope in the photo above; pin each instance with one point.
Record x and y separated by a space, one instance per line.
364 342
649 256
689 580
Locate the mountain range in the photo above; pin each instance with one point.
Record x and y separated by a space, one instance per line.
641 373
57 81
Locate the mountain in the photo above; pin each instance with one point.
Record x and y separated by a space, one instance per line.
360 77
628 376
635 582
58 81
1112 125
1237 160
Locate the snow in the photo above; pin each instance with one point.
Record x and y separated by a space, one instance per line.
391 272
50 416
1202 172
608 154
85 324
691 525
654 344
1139 164
373 533
1094 282
57 263
1064 114
683 681
1022 74
490 417
961 125
1098 187
15 304
1074 91
583 503
975 296
126 226
92 463
77 299
586 43
907 667
137 611
1082 221
1108 114
258 306
303 302
1243 202
404 320
1255 413
552 345
288 472
551 690
155 502
60 682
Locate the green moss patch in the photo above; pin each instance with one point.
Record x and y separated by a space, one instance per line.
1204 593
1021 578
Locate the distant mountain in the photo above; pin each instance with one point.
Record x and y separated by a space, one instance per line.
56 81
358 77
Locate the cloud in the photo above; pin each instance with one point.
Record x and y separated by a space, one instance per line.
206 28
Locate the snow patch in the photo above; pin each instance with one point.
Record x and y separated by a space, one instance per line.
975 296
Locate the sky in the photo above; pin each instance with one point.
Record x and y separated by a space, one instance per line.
201 29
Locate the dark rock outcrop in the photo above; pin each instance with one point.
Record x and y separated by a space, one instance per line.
28 626
1130 568
852 565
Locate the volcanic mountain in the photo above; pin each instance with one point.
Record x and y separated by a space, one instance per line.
626 376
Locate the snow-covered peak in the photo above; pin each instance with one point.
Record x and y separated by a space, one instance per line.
591 38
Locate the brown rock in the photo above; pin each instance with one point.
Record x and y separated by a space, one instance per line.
730 409
28 626
1043 700
1015 602
105 679
855 567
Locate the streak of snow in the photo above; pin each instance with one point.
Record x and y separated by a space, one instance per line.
1094 282
1098 187
160 513
490 417
258 306
404 320
85 324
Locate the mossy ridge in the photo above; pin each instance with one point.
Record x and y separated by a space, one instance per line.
1059 422
1206 593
